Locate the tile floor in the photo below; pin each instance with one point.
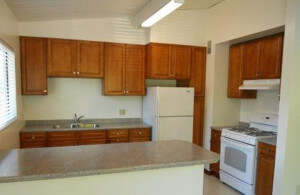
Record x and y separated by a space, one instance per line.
213 186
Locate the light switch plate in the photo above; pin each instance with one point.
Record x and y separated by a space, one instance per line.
122 112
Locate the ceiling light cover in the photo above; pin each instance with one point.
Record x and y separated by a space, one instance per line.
161 13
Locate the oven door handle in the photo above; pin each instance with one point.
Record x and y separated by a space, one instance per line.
231 141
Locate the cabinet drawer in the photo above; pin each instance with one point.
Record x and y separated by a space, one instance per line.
136 133
266 149
63 136
139 139
92 142
92 135
117 134
38 144
117 140
33 137
61 143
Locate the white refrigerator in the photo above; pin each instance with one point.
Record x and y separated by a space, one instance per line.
169 110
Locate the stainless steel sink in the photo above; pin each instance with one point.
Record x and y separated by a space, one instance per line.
76 125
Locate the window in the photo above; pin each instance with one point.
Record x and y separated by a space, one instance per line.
8 107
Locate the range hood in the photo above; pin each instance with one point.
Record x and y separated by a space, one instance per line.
265 84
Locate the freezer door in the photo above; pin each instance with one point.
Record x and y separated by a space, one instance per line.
175 128
175 101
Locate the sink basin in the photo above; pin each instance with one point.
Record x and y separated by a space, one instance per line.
76 125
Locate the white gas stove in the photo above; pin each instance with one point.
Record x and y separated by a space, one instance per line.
239 152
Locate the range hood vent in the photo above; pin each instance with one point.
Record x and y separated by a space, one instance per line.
265 84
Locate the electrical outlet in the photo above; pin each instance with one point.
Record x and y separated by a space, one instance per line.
122 112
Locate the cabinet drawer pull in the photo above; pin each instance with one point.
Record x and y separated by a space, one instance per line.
78 72
140 133
33 137
74 72
45 91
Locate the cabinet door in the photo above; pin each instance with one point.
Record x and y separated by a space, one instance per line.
235 72
215 146
251 60
61 58
34 68
264 175
158 61
198 120
114 78
181 61
89 59
198 70
135 70
271 57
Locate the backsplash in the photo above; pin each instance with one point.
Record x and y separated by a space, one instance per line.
267 102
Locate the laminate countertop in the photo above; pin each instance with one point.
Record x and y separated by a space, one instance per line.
102 126
62 162
270 141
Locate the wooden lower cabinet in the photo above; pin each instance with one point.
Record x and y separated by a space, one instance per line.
140 135
33 140
92 137
86 137
215 145
265 169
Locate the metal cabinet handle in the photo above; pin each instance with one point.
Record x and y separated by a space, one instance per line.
45 91
118 133
33 137
78 72
74 72
140 133
124 91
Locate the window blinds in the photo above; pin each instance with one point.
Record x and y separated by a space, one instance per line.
8 107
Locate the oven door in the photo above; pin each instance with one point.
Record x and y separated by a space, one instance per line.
238 159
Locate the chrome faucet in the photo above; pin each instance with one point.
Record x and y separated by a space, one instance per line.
76 119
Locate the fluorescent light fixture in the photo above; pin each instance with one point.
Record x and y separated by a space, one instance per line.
161 13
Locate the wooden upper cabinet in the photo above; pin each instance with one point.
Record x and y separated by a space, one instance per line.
89 59
165 61
34 66
124 69
235 74
251 60
198 72
114 79
271 57
263 58
181 61
158 61
61 58
135 69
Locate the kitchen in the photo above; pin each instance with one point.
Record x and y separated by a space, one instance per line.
187 26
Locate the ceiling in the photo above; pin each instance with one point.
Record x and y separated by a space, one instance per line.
40 10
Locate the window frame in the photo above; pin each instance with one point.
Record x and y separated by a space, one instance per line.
15 118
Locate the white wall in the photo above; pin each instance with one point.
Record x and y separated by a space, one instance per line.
287 172
227 21
102 29
266 102
222 105
187 27
67 96
9 137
